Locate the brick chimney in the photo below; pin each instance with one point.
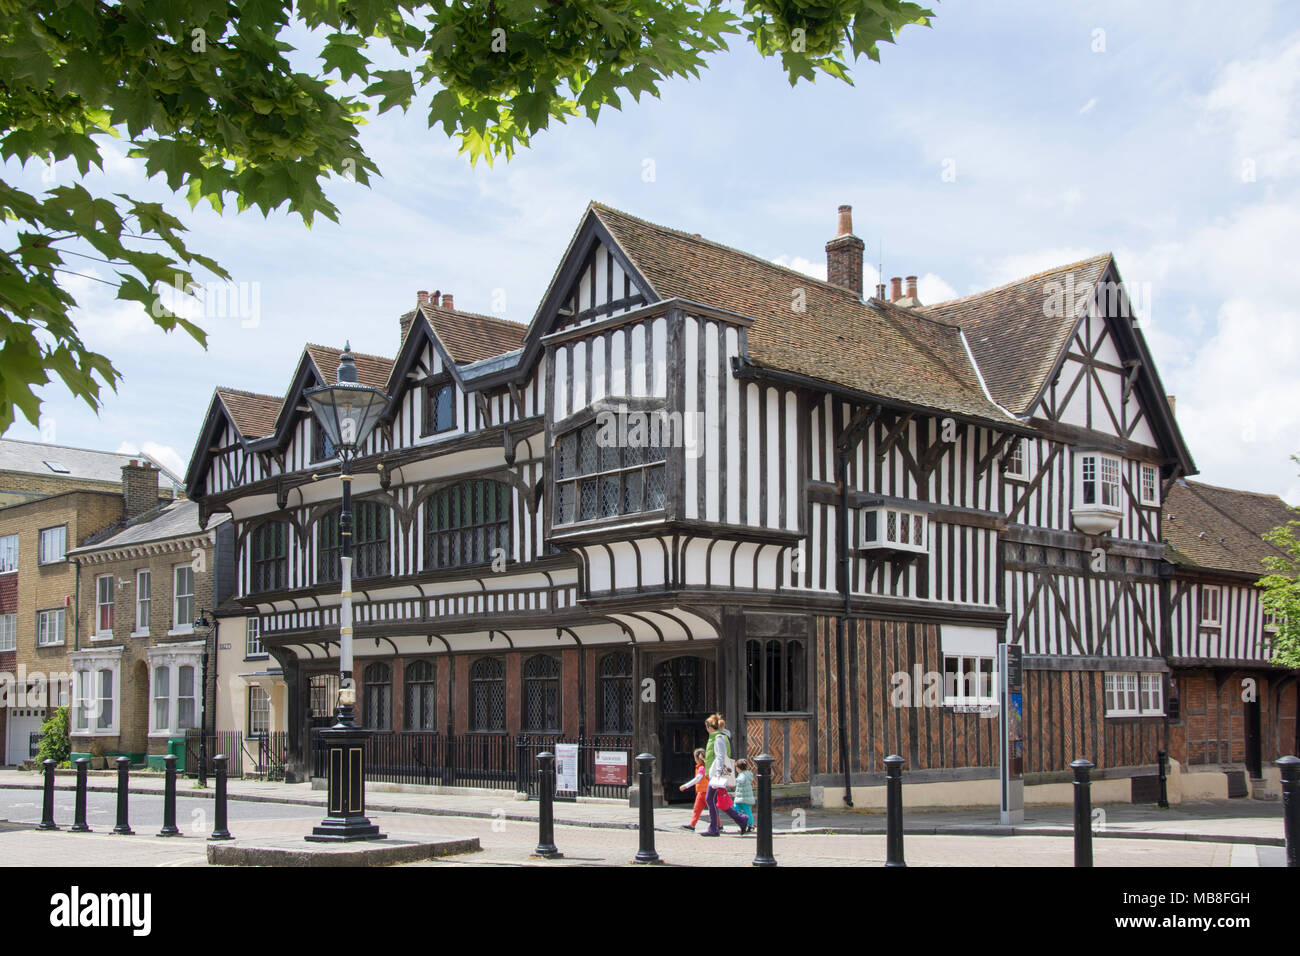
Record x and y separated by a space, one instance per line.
139 487
895 289
880 292
447 303
844 254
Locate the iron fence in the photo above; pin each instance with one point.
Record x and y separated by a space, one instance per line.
33 744
495 761
604 764
271 754
227 742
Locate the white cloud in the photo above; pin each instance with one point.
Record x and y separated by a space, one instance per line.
1088 106
165 455
809 268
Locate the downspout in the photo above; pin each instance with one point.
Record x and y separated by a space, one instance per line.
842 546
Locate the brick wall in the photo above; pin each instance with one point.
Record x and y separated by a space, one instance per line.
43 587
135 702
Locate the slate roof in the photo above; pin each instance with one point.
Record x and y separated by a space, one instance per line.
177 519
1015 342
871 346
1220 528
253 414
31 457
471 337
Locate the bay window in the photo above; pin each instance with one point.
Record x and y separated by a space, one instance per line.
96 688
174 670
597 478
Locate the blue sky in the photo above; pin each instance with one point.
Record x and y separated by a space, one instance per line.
1167 133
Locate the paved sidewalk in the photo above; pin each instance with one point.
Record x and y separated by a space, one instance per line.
1242 821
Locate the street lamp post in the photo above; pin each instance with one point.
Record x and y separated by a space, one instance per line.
348 412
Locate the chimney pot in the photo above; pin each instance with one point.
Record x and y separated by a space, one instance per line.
435 299
846 221
447 303
421 297
911 288
895 289
880 292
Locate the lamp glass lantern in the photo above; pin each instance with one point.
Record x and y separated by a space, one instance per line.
348 410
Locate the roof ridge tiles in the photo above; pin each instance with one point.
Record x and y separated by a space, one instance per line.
1021 281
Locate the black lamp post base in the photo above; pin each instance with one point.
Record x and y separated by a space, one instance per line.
346 820
345 831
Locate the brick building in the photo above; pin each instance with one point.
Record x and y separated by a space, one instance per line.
55 498
145 584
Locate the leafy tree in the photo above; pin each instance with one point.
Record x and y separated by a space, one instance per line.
56 743
206 95
1281 586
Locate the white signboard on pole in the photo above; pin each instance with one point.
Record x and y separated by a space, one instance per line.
566 768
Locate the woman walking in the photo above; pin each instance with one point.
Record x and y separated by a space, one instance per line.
721 773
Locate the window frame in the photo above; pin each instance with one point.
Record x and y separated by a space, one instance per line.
9 550
566 511
791 681
1130 699
454 534
478 685
40 545
1099 462
186 626
173 659
1019 450
369 696
254 649
274 568
415 681
429 406
370 555
88 700
547 685
9 634
1208 590
142 627
874 530
250 725
103 633
320 443
979 699
621 675
1153 500
63 626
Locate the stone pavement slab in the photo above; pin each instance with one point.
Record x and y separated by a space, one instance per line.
1224 821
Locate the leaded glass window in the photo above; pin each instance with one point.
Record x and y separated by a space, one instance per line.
595 477
466 524
542 694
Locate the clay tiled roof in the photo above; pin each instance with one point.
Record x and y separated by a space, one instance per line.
1220 528
371 369
1015 341
253 414
470 337
871 346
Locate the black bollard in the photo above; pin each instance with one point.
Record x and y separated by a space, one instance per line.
1290 767
219 768
546 813
1082 812
47 805
894 811
123 828
79 824
1164 781
645 771
169 828
763 810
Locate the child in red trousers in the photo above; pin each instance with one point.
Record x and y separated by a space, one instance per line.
701 784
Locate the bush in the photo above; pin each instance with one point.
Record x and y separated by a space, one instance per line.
56 744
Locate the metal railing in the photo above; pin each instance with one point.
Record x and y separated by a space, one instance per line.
34 744
495 761
227 742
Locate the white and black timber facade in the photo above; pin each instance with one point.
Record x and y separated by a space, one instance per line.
1007 456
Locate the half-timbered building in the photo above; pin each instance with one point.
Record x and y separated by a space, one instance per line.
699 481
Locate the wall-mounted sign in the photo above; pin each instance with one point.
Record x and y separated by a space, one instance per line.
611 767
566 768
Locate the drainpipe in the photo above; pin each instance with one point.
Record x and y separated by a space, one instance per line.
842 546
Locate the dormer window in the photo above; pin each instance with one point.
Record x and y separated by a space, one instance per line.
894 529
1097 508
322 449
439 408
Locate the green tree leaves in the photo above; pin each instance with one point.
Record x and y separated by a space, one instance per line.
204 94
1281 586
